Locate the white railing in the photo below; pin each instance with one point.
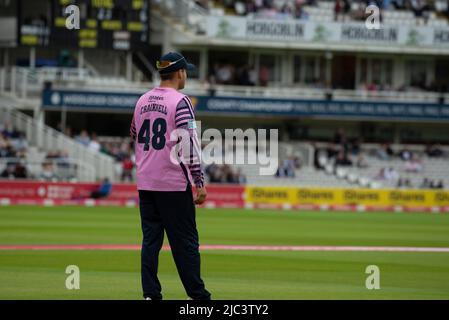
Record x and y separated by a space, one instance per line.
48 139
26 82
301 92
62 170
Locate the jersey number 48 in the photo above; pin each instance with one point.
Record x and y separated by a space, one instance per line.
158 129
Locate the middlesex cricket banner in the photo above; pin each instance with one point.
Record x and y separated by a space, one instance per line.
325 32
347 197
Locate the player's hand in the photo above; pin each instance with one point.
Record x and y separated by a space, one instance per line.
201 195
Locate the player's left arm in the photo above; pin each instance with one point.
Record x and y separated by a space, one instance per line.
132 130
185 119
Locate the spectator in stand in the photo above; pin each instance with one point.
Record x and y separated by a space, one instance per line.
244 76
434 150
343 159
127 169
413 165
299 12
388 174
83 138
252 76
48 172
9 131
338 10
420 8
10 171
224 174
319 157
340 136
240 177
224 74
228 173
391 174
385 152
20 144
215 175
354 146
60 158
20 171
264 76
6 148
288 167
425 184
405 154
404 184
361 162
93 143
103 191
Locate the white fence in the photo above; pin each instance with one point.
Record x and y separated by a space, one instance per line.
37 134
48 169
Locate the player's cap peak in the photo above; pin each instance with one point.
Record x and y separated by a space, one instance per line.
171 62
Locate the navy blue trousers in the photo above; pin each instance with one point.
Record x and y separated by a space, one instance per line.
174 212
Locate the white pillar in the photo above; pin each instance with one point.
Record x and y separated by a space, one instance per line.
117 65
329 56
369 68
289 68
166 40
129 66
430 72
302 71
33 57
316 69
13 79
80 59
358 69
6 57
5 63
38 114
398 73
286 67
204 64
63 119
257 66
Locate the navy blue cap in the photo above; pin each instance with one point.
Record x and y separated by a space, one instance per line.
171 62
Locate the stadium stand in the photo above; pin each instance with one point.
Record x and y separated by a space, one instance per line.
229 70
46 153
393 12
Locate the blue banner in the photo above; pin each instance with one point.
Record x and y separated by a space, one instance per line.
88 99
262 106
325 108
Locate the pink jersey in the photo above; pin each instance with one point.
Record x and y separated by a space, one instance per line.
157 114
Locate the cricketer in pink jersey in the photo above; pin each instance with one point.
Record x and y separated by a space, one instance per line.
166 163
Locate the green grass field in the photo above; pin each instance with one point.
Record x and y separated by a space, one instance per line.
228 274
